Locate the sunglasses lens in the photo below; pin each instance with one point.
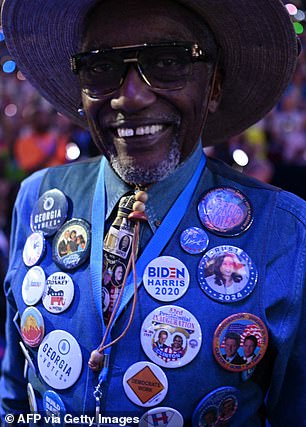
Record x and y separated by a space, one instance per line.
165 67
101 73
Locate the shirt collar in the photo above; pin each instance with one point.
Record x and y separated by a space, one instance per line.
161 194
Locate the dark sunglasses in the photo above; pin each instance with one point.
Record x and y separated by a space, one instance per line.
165 66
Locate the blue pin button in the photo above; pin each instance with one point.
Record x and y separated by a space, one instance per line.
49 212
194 240
225 211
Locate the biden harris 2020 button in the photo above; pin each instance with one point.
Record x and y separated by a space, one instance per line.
171 336
145 384
59 359
166 278
49 212
227 274
225 211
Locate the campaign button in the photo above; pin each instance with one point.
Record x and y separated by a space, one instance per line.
58 293
32 326
33 285
217 408
166 278
145 384
32 398
171 336
161 417
49 212
227 274
34 249
71 244
240 342
194 240
53 405
225 211
59 359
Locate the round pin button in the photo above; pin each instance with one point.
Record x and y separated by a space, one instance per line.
49 212
32 326
194 240
225 211
145 384
59 359
171 336
53 404
58 292
34 249
32 398
166 278
217 408
161 417
33 285
227 274
71 244
240 342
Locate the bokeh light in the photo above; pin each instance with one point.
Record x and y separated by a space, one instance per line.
298 27
240 157
292 9
9 66
72 151
10 110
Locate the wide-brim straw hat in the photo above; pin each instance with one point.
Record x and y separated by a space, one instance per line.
258 50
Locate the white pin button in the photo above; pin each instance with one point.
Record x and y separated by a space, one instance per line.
171 336
162 417
59 359
33 285
58 293
145 384
34 249
166 278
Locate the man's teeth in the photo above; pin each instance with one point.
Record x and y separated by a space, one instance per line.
142 130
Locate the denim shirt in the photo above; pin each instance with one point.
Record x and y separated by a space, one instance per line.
275 242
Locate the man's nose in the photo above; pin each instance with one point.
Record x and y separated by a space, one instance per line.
134 94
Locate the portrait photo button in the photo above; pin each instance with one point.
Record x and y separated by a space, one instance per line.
33 285
171 336
217 408
145 384
58 293
49 212
227 274
34 249
59 359
225 211
194 240
166 278
161 417
32 326
71 244
240 342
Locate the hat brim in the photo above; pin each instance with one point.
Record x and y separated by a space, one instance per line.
257 40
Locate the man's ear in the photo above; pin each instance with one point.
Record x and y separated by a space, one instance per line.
216 92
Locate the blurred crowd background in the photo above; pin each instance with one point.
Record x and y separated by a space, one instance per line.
33 136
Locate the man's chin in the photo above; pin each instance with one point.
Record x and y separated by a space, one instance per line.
142 175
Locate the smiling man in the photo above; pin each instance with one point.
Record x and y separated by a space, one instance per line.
155 81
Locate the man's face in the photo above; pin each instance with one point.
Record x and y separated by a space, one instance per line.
165 125
248 348
162 338
230 347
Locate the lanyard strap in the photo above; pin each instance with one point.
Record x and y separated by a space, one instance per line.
153 248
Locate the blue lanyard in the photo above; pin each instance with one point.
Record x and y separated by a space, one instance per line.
153 248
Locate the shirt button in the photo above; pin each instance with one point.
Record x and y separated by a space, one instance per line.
157 222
